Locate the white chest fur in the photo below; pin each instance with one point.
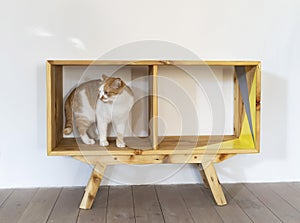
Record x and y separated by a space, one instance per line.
115 112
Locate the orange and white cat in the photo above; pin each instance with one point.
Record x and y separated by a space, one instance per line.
99 103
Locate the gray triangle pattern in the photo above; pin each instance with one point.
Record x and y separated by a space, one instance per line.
241 75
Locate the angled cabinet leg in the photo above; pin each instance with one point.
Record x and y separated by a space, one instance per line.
212 180
92 186
205 182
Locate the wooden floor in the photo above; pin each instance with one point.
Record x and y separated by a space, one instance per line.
276 202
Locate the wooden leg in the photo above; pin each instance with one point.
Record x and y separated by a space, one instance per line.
205 182
92 186
213 182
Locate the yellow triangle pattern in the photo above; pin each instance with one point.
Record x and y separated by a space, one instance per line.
245 141
246 136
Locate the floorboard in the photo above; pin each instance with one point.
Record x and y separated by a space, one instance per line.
4 194
201 209
146 205
295 186
120 205
66 207
98 212
172 205
13 208
230 212
40 206
287 193
250 204
274 202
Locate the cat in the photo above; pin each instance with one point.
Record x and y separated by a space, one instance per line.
95 104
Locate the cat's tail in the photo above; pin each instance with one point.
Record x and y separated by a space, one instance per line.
69 113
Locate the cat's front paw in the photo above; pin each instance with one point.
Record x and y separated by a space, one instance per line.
87 140
90 142
103 143
120 144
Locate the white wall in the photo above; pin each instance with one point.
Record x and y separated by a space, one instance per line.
33 31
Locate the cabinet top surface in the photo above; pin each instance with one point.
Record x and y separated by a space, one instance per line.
152 62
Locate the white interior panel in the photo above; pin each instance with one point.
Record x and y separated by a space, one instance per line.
186 96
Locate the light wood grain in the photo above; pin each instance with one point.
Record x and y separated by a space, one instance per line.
93 186
153 106
146 205
214 184
258 106
50 109
274 202
201 209
98 213
172 205
151 62
120 205
253 207
40 206
59 146
202 174
54 106
66 207
169 145
221 157
149 159
58 107
13 208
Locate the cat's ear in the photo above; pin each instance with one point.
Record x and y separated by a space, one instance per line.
117 83
104 77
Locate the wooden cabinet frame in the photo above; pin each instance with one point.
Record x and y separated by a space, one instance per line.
245 140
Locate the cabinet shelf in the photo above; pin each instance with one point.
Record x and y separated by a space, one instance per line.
169 145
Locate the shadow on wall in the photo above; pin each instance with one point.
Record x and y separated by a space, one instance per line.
42 106
273 130
274 117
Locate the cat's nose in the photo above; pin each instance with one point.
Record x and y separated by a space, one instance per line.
102 98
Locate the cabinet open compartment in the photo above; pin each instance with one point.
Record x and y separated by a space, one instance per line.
63 77
241 141
154 145
243 134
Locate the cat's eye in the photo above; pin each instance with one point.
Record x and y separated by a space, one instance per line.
105 92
